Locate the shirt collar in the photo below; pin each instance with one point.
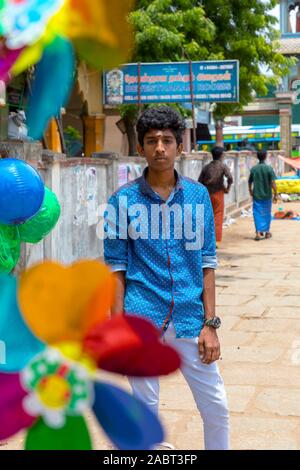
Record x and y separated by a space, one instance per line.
146 188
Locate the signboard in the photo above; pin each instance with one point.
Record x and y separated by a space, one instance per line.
250 137
212 81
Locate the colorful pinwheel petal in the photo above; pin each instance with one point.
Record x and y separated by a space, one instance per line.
50 91
8 58
47 32
131 346
13 416
129 424
23 23
62 303
20 344
74 435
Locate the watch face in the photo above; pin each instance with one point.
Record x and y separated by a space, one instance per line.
214 322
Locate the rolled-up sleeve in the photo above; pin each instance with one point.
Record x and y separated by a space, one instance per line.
209 262
209 256
115 236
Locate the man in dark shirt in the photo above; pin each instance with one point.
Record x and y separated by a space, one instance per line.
261 182
212 176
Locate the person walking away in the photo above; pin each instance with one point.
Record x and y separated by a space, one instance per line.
261 182
165 267
213 176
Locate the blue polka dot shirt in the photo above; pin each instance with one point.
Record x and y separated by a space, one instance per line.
163 247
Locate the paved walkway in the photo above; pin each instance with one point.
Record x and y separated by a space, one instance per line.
258 298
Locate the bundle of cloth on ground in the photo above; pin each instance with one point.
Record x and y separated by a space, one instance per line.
286 214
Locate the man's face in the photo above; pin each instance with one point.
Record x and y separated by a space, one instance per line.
160 149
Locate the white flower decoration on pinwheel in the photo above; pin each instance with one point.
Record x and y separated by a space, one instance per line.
57 387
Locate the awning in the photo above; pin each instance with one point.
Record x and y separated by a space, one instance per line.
294 162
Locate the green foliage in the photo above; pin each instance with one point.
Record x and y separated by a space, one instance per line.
245 30
129 111
169 31
73 133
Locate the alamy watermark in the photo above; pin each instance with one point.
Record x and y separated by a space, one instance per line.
138 221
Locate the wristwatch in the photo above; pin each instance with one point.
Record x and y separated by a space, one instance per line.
214 322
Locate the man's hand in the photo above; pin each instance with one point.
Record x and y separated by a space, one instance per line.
209 345
275 195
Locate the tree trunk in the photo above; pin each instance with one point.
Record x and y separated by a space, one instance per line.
131 136
219 133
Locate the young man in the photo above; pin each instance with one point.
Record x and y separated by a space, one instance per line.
261 182
212 176
165 267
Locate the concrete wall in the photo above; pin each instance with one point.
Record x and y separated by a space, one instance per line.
82 185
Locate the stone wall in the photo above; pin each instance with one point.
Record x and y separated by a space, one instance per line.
82 185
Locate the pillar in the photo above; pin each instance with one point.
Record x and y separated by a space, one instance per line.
90 86
53 137
285 130
219 133
285 102
298 20
93 133
284 13
3 122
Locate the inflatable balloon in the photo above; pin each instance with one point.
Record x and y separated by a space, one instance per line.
21 191
9 248
43 222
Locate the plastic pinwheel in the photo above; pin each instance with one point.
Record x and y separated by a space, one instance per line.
49 33
58 337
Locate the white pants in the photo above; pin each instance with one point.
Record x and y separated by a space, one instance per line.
206 385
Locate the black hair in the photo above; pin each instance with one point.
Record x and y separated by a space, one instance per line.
162 117
262 155
217 152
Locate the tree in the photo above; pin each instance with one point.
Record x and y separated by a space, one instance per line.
167 31
244 30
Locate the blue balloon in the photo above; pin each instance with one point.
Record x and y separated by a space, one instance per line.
19 345
21 191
